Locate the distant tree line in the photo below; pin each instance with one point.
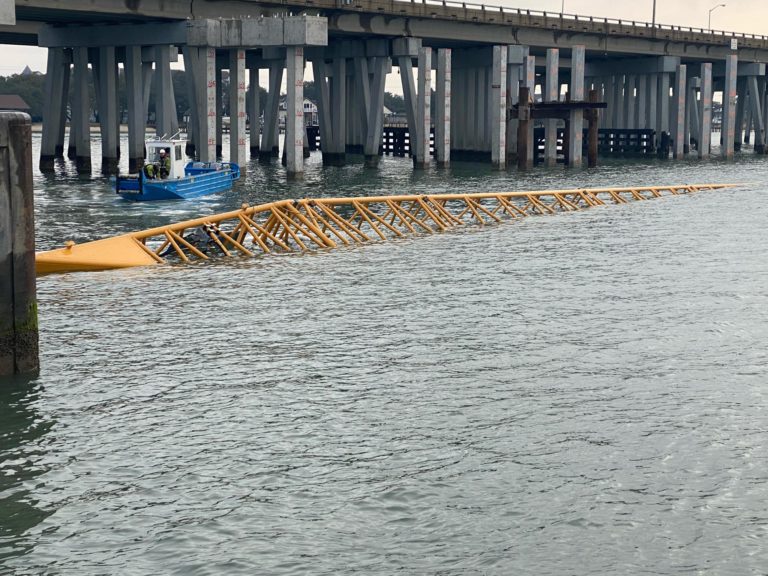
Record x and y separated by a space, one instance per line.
31 87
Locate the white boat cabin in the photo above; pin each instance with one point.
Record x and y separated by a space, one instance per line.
174 149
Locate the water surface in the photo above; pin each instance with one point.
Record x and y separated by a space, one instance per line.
575 394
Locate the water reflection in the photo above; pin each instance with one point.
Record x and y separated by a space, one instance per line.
22 457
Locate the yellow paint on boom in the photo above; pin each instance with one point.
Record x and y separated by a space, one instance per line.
303 225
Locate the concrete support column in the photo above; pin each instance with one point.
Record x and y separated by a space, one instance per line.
362 91
641 102
219 111
424 116
410 97
729 106
458 102
379 66
576 120
499 108
551 95
146 83
269 140
529 81
705 106
741 89
747 119
338 106
18 291
443 108
81 111
678 132
323 109
515 60
692 105
108 110
54 108
617 112
651 108
237 108
662 109
756 114
164 106
294 109
136 118
254 110
630 80
206 80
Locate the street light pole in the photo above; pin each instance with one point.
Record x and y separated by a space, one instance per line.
653 22
709 19
562 7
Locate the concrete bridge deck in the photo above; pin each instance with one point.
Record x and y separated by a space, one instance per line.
447 22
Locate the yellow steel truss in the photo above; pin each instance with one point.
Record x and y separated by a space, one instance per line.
308 224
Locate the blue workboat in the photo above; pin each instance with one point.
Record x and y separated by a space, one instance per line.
167 175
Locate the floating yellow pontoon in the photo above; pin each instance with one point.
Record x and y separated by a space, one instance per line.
302 225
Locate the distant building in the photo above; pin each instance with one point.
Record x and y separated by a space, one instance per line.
13 102
310 112
27 71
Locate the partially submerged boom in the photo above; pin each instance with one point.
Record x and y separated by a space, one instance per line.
302 225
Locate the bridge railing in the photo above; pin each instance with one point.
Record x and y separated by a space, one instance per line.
475 12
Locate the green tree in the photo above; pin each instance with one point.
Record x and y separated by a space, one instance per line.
30 87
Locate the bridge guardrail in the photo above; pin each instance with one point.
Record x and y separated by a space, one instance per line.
475 12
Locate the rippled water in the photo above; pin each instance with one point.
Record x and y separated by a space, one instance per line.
574 394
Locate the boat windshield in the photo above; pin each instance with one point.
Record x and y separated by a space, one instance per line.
153 154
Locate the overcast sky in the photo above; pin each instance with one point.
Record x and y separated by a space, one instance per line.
750 16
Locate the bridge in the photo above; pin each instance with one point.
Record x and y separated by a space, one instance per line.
474 58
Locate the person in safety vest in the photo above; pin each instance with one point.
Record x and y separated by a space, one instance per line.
164 165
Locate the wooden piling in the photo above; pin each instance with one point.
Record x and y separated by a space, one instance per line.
18 301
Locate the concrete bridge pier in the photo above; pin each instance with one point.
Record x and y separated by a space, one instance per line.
678 110
741 92
80 128
254 109
551 94
404 51
757 112
499 108
237 114
294 121
642 103
270 144
729 107
55 107
165 106
105 85
630 82
381 66
219 110
528 81
135 102
515 62
320 73
705 110
443 108
617 102
423 112
576 117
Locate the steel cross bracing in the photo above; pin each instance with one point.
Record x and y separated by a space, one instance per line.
323 223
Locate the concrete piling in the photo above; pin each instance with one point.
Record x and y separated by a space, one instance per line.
18 297
705 110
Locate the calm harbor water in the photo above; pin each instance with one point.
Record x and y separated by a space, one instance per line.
574 394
